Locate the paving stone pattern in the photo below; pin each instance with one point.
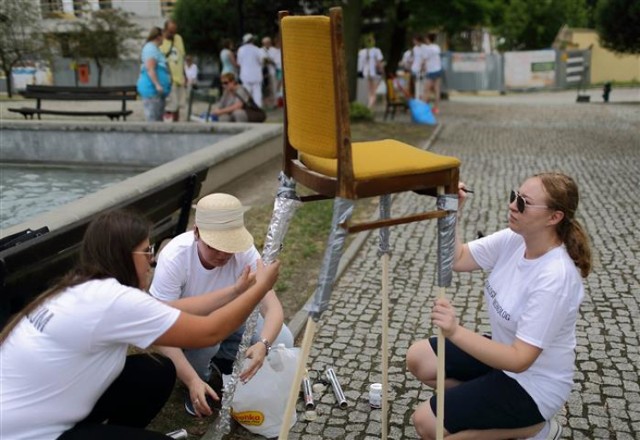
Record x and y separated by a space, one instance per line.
499 145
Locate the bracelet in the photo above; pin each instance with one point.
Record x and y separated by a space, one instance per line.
267 345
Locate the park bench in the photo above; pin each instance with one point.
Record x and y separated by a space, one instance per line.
63 93
37 258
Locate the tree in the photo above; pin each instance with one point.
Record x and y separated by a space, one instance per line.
618 23
533 24
103 36
21 35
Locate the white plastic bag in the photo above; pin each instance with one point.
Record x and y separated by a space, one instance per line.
259 404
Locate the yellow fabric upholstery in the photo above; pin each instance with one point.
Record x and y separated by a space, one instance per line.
309 85
384 158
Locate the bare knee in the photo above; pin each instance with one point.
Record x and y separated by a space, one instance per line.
424 421
421 361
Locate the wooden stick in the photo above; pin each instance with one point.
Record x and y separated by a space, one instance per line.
295 388
440 368
385 345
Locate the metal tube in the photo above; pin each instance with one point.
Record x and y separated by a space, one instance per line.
308 393
341 400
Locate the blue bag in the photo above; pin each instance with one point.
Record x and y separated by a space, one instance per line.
421 112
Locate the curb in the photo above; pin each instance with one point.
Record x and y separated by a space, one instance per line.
298 321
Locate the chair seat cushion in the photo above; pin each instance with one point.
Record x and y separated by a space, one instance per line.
384 158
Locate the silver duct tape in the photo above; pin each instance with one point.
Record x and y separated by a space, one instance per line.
222 424
342 211
446 238
385 213
341 400
284 208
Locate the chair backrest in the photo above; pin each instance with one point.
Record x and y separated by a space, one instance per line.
313 74
391 91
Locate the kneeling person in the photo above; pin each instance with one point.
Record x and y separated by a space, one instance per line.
216 254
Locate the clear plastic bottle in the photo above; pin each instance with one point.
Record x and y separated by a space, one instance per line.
375 395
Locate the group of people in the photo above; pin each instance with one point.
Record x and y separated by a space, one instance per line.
425 66
251 78
66 373
166 74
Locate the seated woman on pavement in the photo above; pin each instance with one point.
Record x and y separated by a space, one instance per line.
214 256
234 96
510 384
66 373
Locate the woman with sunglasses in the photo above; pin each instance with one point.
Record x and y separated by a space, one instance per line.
65 370
234 96
511 383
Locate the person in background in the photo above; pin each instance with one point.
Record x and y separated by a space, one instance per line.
434 72
173 48
154 81
273 63
371 67
418 65
251 59
66 371
211 257
228 58
190 73
230 108
511 383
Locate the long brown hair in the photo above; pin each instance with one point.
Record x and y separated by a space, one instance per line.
105 252
562 194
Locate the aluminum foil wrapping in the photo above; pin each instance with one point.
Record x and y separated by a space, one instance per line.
446 238
385 213
285 205
342 211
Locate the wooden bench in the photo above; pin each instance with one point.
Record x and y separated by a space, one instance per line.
31 266
63 93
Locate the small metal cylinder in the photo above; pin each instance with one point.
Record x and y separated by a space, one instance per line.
307 393
341 400
178 434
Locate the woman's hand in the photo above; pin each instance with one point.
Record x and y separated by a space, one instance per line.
159 89
198 393
257 352
443 315
244 281
462 195
267 274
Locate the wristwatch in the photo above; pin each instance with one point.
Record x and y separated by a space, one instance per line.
267 345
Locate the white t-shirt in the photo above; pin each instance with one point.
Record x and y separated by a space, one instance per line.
250 60
368 59
419 56
191 73
432 57
180 273
273 54
58 361
536 301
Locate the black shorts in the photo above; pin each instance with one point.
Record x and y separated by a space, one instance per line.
488 398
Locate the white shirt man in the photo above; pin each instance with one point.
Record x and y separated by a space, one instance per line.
251 60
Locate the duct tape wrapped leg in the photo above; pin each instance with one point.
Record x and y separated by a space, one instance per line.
342 211
285 205
385 253
446 251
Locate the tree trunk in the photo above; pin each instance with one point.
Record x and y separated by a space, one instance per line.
7 75
99 66
352 20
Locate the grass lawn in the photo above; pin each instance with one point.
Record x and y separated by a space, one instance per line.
301 258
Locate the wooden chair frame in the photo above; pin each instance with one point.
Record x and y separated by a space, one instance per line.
345 185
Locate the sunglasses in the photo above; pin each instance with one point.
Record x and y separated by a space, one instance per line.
521 203
225 83
150 252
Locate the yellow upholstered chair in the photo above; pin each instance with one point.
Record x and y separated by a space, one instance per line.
319 154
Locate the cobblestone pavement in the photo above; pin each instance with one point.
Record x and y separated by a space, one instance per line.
499 145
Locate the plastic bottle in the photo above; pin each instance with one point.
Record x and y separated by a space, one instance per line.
375 395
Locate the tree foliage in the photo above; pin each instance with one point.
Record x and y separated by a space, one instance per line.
534 24
618 23
105 36
21 35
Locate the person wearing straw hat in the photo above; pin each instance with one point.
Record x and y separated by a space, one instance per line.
215 254
511 383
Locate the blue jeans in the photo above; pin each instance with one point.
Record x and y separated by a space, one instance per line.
153 108
199 358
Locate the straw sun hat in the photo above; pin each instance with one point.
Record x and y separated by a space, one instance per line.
220 222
